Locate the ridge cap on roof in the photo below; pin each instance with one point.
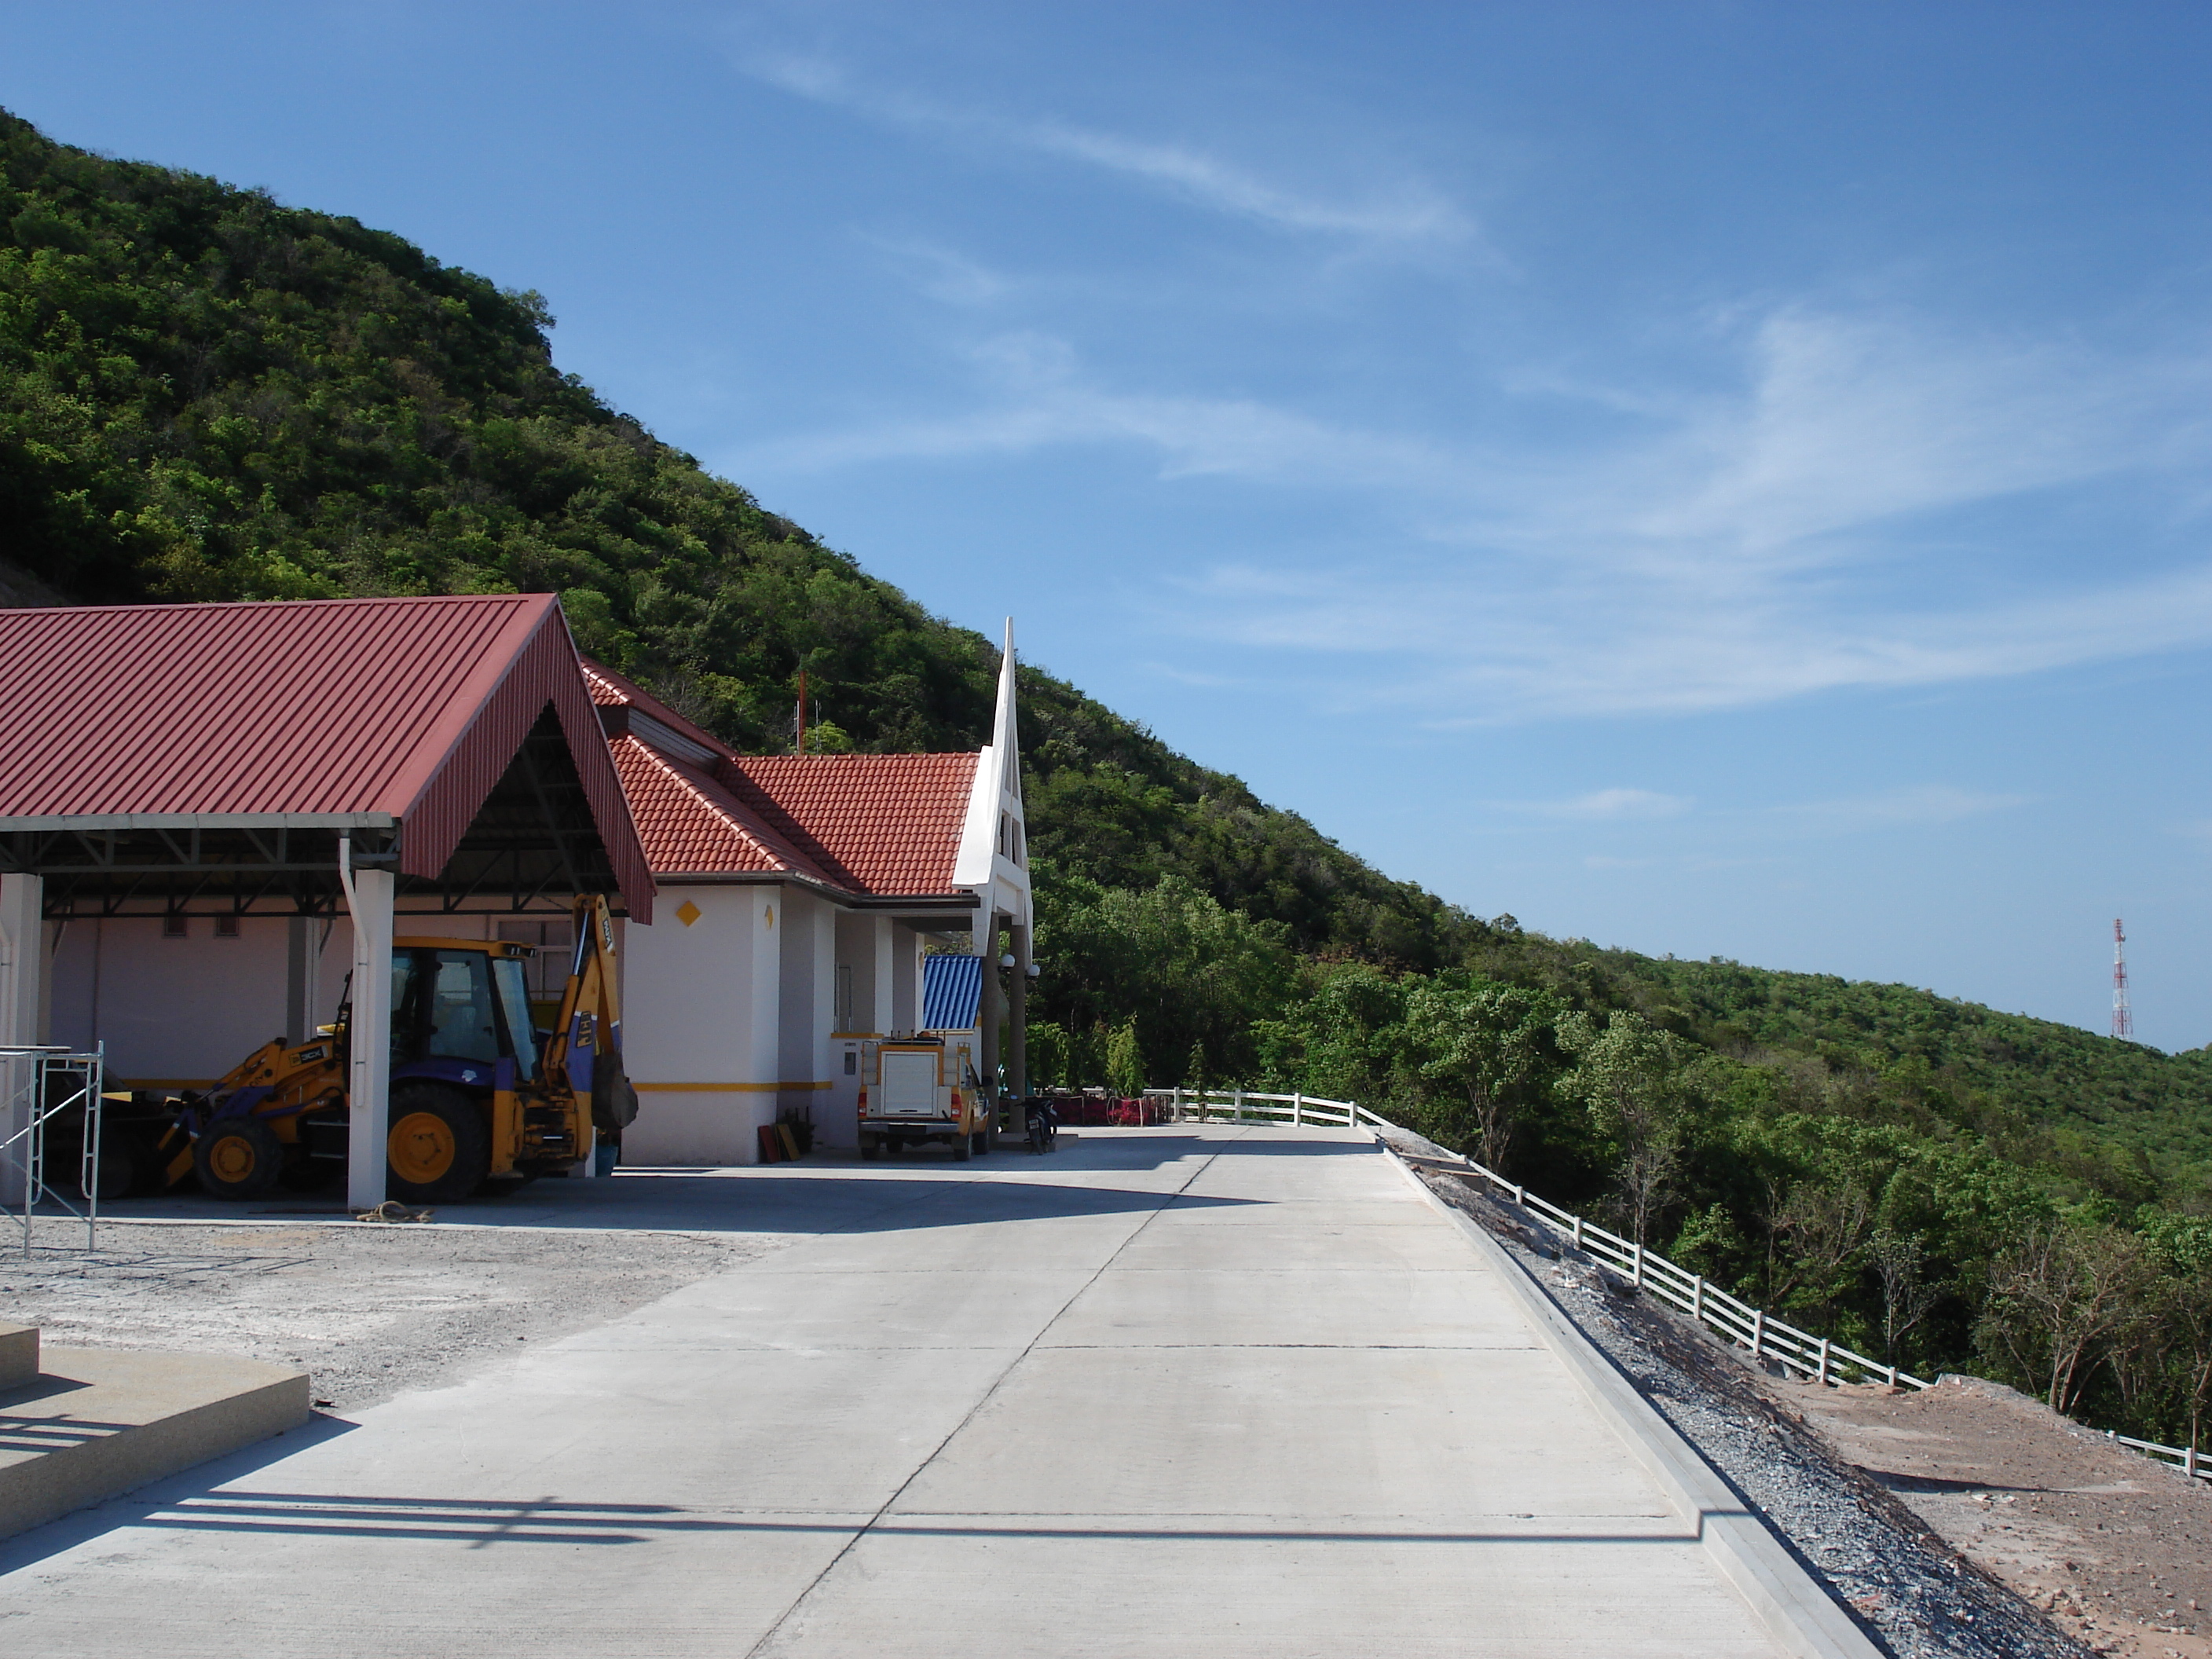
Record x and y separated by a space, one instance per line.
635 695
715 797
264 605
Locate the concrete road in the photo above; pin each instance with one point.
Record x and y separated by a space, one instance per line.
1219 1391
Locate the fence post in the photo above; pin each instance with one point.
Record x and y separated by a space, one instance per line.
1297 1109
2188 1460
1578 1232
1178 1102
1697 1297
1824 1361
1892 1370
1759 1333
1240 1105
1636 1272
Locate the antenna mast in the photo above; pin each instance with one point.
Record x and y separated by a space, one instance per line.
2124 1020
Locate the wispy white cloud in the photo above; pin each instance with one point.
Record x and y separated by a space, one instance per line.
1037 395
941 272
1601 804
1927 803
1405 209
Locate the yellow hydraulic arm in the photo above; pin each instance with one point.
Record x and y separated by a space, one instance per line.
584 1051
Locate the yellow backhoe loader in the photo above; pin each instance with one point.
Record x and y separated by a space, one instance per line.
480 1099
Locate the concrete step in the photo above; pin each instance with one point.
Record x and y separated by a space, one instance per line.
19 1355
88 1422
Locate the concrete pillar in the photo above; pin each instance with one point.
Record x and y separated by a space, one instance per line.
905 977
1017 1016
992 1009
298 978
22 977
368 1081
881 1008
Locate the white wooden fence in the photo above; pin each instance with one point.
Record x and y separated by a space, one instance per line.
1753 1328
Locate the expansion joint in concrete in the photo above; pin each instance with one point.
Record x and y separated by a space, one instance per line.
982 1400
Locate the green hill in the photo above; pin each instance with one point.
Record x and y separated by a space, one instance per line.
206 395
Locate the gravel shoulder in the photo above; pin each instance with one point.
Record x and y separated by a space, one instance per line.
369 1310
1918 1594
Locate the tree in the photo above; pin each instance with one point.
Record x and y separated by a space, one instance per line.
1125 1063
2180 1247
1049 1055
1630 1077
2066 1289
1179 963
1899 1262
1825 1223
1485 1044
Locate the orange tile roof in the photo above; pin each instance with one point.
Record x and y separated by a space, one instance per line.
872 825
690 825
611 691
880 824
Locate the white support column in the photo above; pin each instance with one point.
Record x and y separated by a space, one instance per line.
369 1082
23 976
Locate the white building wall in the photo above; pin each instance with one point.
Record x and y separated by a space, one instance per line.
700 1019
174 1012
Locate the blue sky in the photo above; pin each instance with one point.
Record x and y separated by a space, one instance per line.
1712 479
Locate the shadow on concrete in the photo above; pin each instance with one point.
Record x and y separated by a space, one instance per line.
780 1199
138 1506
481 1523
828 1193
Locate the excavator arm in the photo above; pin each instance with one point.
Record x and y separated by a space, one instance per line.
584 1051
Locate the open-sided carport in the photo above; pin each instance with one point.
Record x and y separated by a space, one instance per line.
295 762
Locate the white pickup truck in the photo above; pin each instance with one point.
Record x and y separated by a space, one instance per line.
920 1089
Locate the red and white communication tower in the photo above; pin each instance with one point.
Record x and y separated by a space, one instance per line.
2123 1021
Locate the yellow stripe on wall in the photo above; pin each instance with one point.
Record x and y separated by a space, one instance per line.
723 1088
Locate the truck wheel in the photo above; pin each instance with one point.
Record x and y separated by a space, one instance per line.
237 1158
963 1147
869 1147
982 1142
437 1149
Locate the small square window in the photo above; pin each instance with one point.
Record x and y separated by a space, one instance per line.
172 925
225 927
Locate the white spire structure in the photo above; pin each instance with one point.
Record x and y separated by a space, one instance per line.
993 863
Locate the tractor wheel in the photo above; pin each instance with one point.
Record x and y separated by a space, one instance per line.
237 1158
437 1149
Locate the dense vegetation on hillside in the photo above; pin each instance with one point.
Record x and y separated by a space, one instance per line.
206 395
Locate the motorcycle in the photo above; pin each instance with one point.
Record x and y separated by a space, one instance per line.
1042 1123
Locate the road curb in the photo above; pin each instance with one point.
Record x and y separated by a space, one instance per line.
1797 1610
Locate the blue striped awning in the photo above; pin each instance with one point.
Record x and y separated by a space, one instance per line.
951 992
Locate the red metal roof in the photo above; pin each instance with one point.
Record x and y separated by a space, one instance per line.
330 712
879 824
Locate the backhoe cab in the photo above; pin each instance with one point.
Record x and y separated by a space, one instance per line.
480 1099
